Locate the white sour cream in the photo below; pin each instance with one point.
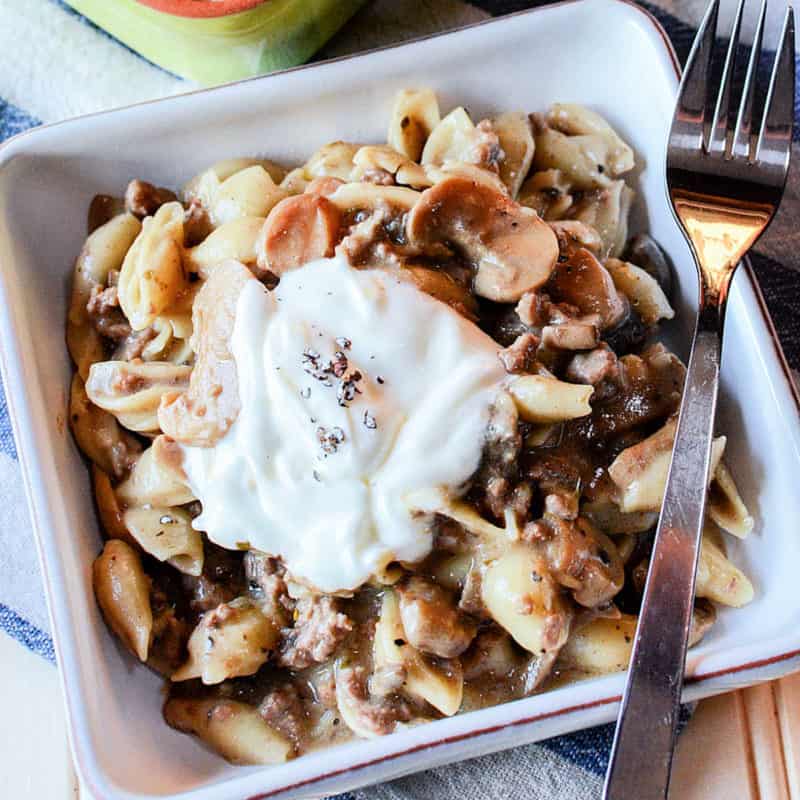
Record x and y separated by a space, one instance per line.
428 378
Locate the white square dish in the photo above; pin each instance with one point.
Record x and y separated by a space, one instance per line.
569 52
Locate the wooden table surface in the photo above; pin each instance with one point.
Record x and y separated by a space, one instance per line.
739 746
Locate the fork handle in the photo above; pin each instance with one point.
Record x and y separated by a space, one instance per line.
641 755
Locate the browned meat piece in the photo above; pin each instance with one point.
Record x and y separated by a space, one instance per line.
558 470
283 710
168 640
639 575
562 505
299 229
102 208
650 390
582 281
378 715
267 587
595 367
376 240
203 413
600 368
580 558
570 336
537 310
105 314
431 620
196 224
319 628
521 356
223 575
503 440
512 249
206 594
142 199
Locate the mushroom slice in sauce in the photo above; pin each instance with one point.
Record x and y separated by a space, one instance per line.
513 250
582 281
298 230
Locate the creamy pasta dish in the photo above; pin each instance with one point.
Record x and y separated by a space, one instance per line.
382 438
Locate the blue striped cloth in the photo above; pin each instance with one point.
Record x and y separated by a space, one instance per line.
568 767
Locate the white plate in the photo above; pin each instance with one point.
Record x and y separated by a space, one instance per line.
607 54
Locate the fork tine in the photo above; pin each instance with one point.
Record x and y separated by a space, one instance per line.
775 138
744 119
692 112
718 134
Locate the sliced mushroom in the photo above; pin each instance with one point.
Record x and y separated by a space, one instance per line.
299 229
514 251
582 281
204 412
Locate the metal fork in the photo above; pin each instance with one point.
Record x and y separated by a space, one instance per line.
725 184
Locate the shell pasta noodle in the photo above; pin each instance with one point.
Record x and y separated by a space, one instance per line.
382 437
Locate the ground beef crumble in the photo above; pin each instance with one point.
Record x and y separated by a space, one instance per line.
283 709
105 314
319 628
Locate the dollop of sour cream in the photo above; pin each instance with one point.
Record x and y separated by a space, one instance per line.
356 391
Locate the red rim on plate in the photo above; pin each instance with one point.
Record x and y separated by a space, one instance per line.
202 8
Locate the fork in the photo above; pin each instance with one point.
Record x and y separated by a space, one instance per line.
725 183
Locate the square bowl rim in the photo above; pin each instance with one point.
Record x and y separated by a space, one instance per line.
89 766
